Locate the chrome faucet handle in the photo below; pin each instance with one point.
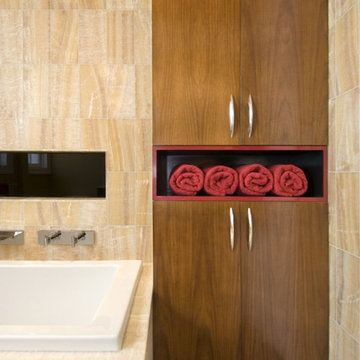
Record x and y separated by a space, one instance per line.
48 238
78 237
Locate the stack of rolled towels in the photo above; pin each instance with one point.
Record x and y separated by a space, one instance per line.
244 180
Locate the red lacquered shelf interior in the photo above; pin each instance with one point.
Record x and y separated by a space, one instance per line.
311 159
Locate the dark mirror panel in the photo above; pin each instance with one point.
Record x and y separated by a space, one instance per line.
52 174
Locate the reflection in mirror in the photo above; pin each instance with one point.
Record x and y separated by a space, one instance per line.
52 174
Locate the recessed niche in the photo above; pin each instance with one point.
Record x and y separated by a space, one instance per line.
311 159
52 174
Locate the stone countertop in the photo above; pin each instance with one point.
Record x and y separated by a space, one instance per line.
137 336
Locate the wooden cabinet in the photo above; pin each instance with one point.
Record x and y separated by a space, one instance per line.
197 288
214 303
196 68
205 51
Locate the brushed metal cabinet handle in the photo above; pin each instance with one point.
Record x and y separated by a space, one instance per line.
231 116
232 230
250 240
251 116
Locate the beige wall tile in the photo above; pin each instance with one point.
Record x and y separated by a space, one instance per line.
121 147
348 211
143 141
120 193
342 6
122 92
143 92
143 192
64 91
79 215
332 77
144 241
94 134
66 134
38 213
11 91
93 91
36 4
36 91
32 249
143 4
332 292
120 44
92 37
11 36
347 131
61 252
142 28
36 36
120 4
38 134
13 252
92 4
10 4
11 214
64 37
333 208
331 12
347 30
64 4
347 293
332 125
343 346
144 219
12 131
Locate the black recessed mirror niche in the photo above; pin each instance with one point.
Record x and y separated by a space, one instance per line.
52 174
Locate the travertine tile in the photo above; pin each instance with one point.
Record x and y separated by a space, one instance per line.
333 208
38 213
342 6
331 12
144 242
11 252
121 198
12 214
121 92
92 37
36 36
120 44
121 147
11 36
32 249
94 134
38 134
78 214
93 91
348 293
36 4
10 4
332 77
64 4
64 36
11 134
348 211
67 135
144 219
347 29
332 125
64 91
342 346
120 4
143 192
332 282
36 91
142 29
143 141
347 131
92 4
62 252
143 92
11 91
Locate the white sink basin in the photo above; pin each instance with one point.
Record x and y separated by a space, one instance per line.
65 305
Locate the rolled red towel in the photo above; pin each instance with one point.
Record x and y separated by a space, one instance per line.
254 179
186 180
220 180
289 180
